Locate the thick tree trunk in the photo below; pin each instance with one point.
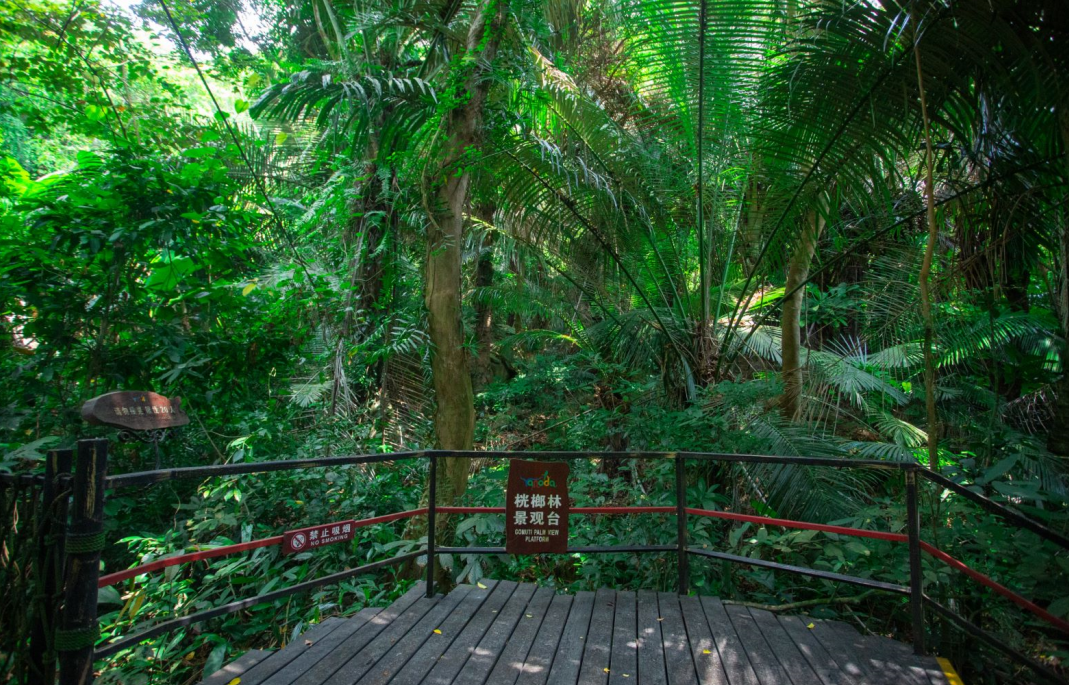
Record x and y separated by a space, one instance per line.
484 314
462 132
791 345
447 203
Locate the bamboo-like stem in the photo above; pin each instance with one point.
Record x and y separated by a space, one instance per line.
792 606
703 252
926 275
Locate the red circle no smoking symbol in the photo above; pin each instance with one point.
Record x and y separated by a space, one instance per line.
298 541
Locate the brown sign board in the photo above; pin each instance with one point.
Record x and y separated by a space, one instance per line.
536 507
307 539
137 410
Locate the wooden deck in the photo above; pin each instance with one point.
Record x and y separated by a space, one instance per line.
519 634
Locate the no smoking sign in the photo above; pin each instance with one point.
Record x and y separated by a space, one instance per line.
305 539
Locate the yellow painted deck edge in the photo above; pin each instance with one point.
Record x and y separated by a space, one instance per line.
948 670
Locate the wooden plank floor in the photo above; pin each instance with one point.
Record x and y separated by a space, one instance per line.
504 633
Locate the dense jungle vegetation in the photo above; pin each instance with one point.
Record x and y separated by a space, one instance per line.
792 227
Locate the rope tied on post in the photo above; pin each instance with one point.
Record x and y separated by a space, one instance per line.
85 543
75 639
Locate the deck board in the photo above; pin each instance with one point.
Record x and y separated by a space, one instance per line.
265 668
425 613
707 659
884 655
596 649
841 651
678 660
623 658
809 646
760 653
235 669
411 602
651 663
569 657
535 669
870 662
507 633
316 649
416 653
483 654
783 647
519 644
732 653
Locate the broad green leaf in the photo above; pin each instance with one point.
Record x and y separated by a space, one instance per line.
95 113
166 274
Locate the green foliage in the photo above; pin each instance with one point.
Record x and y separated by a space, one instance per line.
228 511
646 171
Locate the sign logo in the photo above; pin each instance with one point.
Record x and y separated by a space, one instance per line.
298 541
543 481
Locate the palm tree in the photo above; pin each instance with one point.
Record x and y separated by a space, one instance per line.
685 197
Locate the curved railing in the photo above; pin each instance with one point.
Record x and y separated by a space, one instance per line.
92 462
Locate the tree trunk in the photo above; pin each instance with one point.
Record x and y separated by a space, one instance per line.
1058 438
484 314
791 343
462 132
925 279
366 265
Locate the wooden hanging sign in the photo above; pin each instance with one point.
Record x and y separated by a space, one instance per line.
136 410
307 539
536 507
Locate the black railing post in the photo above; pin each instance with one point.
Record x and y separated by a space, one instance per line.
51 528
681 527
916 578
78 629
432 500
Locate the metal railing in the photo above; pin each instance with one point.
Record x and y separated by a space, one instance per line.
77 635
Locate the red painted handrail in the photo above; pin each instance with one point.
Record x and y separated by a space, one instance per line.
160 564
574 510
895 537
788 523
1000 589
227 550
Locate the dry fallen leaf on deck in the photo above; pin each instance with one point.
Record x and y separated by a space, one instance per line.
811 626
706 651
605 669
308 643
481 586
660 618
437 632
235 681
529 616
